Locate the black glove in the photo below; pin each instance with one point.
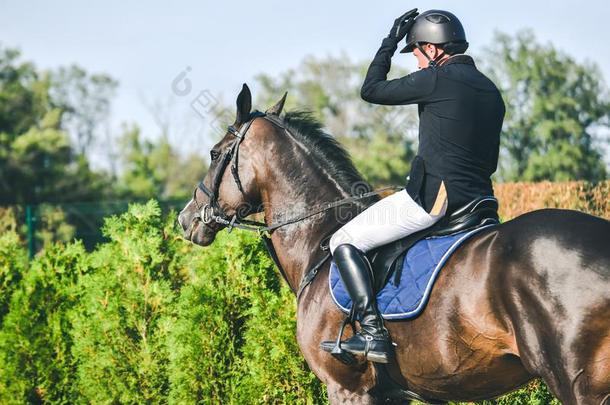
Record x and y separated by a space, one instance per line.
403 25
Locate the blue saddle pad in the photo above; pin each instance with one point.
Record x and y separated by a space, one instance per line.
421 266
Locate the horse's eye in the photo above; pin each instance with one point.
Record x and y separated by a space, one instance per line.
214 154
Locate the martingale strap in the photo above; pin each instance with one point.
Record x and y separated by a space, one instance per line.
311 274
273 254
308 276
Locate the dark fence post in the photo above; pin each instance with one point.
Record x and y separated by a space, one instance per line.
30 220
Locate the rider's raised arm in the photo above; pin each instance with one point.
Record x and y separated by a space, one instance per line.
411 89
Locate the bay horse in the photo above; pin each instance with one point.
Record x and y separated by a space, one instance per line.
527 298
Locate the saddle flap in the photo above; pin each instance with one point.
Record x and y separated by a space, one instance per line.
384 259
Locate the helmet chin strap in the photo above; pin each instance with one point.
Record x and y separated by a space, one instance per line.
431 62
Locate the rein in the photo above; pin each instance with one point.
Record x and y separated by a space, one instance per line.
214 212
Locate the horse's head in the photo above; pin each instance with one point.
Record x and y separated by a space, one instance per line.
228 191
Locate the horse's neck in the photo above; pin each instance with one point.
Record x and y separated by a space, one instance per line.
286 195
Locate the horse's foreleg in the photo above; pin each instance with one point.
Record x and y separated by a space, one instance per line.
318 319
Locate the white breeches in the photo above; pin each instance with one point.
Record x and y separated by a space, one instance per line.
389 219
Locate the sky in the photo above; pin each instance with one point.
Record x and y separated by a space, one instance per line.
218 46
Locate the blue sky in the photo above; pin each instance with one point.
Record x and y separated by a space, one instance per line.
145 45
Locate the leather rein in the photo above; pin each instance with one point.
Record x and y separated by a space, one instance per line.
213 212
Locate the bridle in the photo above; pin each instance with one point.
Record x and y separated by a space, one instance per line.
213 211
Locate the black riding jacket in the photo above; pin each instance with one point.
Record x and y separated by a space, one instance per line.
460 119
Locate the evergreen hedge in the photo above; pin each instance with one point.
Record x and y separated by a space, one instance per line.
150 318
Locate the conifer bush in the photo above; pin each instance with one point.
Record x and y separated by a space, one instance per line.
13 262
125 313
234 339
36 363
151 318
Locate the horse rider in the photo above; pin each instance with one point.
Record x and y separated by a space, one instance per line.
460 119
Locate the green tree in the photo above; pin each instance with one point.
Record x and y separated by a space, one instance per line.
85 101
554 107
39 166
206 339
154 169
37 160
23 96
271 366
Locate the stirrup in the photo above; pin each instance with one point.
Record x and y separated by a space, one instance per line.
337 351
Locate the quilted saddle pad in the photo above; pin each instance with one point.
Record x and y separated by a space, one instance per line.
406 298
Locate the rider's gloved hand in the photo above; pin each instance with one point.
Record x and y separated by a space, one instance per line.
403 25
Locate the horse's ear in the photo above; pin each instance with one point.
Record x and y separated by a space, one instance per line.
277 108
244 104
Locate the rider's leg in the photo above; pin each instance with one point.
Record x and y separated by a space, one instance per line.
372 340
389 219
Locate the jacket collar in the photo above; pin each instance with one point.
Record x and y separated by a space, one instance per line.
459 58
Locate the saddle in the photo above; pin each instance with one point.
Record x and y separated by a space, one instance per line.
387 260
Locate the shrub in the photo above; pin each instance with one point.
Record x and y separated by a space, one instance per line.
13 262
123 319
36 364
234 340
150 318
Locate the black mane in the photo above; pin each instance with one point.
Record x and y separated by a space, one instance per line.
325 149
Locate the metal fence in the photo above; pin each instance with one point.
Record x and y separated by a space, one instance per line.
83 220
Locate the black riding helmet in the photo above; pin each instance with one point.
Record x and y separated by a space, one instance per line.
437 27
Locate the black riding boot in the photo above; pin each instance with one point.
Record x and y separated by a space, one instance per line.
372 340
